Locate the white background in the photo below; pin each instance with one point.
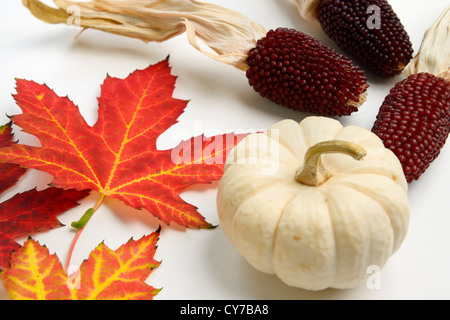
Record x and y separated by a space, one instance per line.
202 264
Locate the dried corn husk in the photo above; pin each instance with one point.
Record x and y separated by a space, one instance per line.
307 8
434 53
228 33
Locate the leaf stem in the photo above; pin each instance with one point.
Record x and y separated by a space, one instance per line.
80 226
84 219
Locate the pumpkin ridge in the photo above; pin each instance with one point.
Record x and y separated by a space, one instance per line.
327 203
389 183
278 224
372 253
240 209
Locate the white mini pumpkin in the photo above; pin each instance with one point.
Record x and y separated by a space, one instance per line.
320 222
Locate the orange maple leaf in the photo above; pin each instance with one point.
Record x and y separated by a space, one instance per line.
118 156
35 274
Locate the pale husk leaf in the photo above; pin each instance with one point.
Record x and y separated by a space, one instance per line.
307 8
434 53
228 33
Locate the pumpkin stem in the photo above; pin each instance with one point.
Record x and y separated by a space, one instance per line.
313 172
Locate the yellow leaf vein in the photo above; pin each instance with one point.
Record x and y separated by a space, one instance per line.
71 142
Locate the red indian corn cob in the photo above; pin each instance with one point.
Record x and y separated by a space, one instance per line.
286 66
369 31
298 71
414 119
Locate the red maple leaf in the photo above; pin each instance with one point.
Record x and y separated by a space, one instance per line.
30 212
9 173
118 156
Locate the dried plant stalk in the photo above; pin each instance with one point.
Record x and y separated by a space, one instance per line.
434 53
228 33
